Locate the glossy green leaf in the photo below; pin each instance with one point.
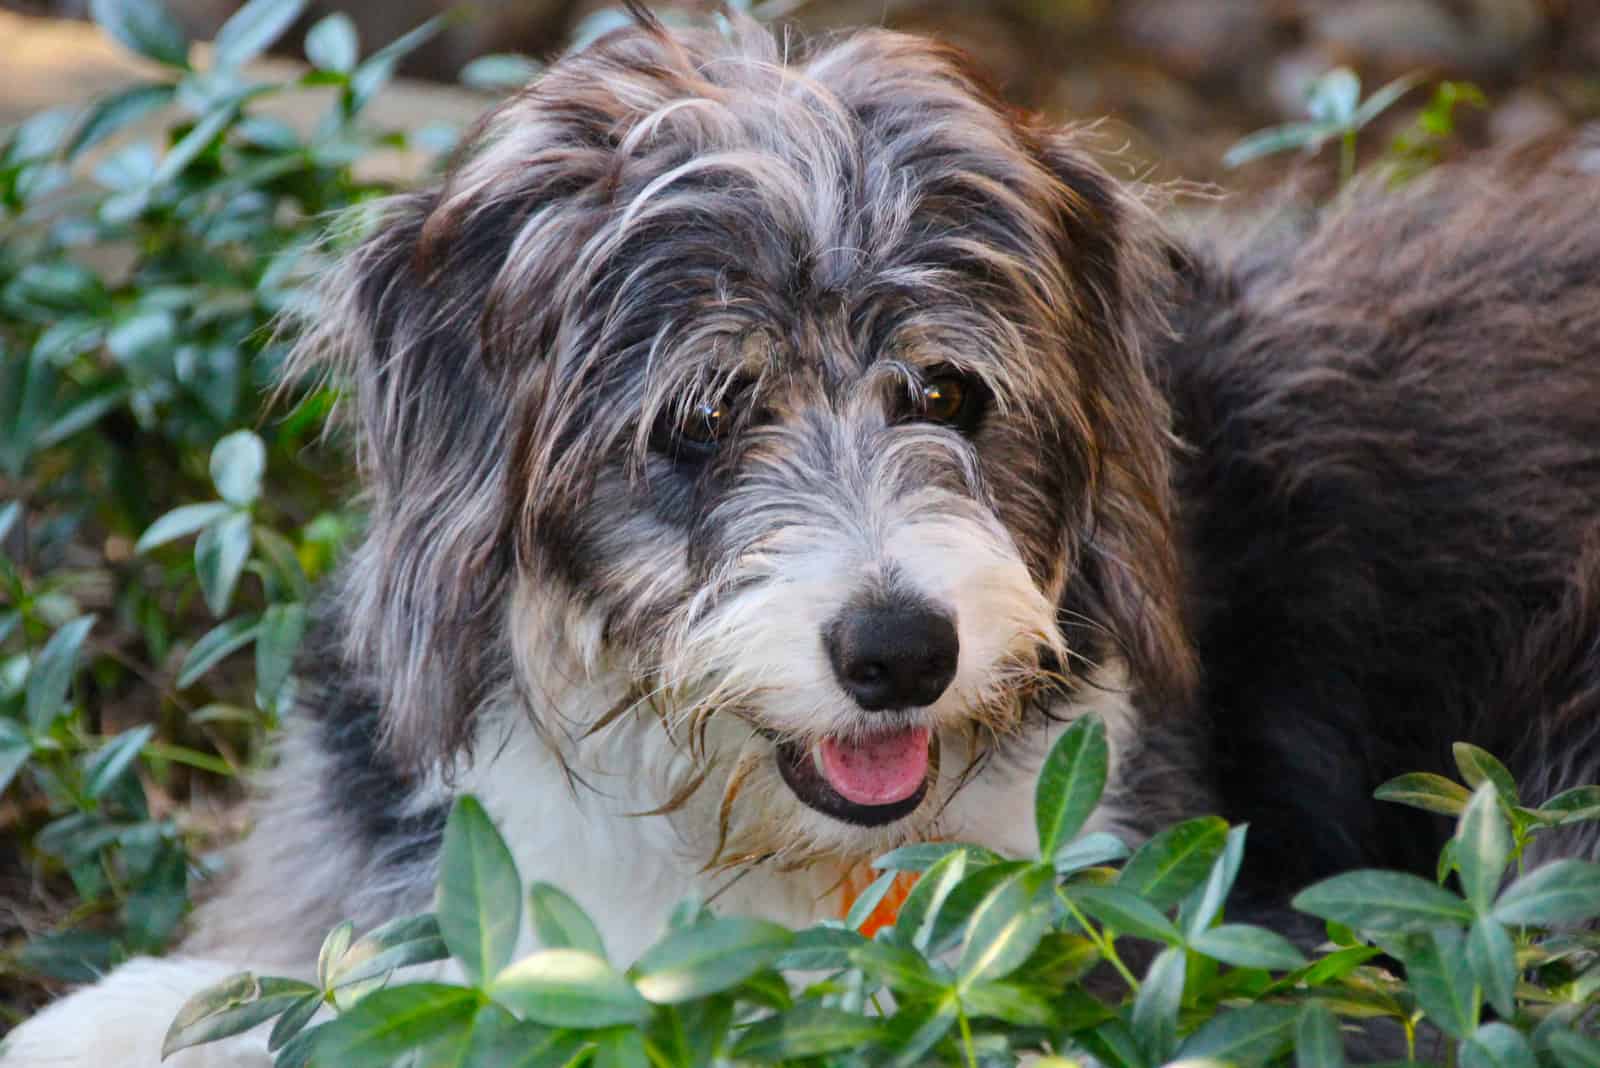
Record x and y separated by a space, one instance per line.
560 922
15 749
396 944
50 676
1070 783
807 1031
912 1050
897 967
112 114
216 644
1125 913
862 908
820 949
1424 790
1251 1035
1478 766
1155 1007
191 145
1095 848
388 1023
1317 1041
332 44
1384 901
1007 926
569 988
500 72
708 957
219 557
1175 861
1246 946
1574 1050
276 644
1482 846
1436 967
293 1020
920 856
1576 805
144 27
231 1007
1497 1045
480 893
114 758
1492 959
238 462
920 910
1205 903
1561 892
1333 97
253 29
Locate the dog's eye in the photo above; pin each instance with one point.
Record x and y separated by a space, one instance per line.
706 423
952 399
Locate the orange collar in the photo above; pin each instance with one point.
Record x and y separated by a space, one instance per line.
862 876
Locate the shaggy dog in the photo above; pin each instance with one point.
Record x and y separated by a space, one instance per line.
768 453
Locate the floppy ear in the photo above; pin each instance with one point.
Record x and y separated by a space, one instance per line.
1129 578
423 593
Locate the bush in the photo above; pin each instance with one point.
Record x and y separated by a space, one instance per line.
988 959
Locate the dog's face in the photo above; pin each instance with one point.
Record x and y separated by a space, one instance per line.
809 391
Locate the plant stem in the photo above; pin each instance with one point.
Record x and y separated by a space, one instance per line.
1106 946
1347 158
966 1037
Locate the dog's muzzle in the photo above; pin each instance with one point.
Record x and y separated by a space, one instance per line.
869 781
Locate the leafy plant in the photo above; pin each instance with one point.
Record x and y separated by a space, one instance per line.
988 960
146 244
1335 111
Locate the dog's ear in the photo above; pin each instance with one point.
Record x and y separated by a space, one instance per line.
422 594
1129 578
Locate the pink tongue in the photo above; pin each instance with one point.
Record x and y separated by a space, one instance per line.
878 771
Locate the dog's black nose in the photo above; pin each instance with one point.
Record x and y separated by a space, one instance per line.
893 655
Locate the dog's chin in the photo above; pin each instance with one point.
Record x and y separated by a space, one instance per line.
872 797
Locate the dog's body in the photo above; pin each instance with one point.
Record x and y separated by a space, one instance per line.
766 459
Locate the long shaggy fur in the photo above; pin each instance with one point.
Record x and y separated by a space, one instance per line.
1293 514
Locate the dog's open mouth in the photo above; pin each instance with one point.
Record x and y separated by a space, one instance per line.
869 781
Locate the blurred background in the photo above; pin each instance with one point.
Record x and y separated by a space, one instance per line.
1179 80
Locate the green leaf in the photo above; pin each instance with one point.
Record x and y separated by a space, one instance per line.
276 643
188 148
708 957
963 901
1478 766
113 758
1332 98
1317 1042
50 676
1245 946
396 944
238 461
1561 892
1013 1002
1249 1035
1497 1045
1483 846
499 72
1155 1008
901 969
332 44
1275 139
219 557
1492 959
861 909
561 923
144 27
1070 783
1383 99
231 1007
1205 903
113 113
806 1031
1007 926
1573 1050
1174 862
1125 913
920 910
1436 966
334 946
1575 805
569 988
480 893
215 644
79 416
1387 902
1099 847
1431 793
293 1020
252 29
15 749
500 1040
388 1023
920 856
912 1051
820 949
